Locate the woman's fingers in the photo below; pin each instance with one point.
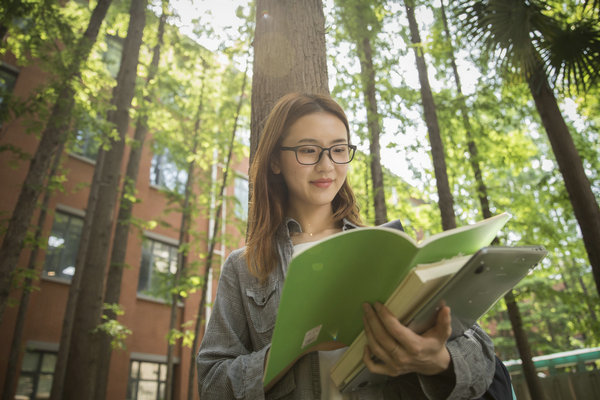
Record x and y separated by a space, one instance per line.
381 343
394 349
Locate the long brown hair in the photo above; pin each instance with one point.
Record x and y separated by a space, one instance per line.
269 192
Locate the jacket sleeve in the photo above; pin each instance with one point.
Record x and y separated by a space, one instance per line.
228 367
471 371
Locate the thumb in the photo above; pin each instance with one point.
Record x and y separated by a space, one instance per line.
443 327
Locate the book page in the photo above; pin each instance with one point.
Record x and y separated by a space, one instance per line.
464 240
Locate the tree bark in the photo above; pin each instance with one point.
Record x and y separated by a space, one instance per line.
15 348
586 294
289 55
112 292
366 169
83 349
533 383
446 202
213 240
374 123
570 165
54 134
183 241
60 367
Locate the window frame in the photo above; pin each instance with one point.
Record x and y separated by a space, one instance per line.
71 213
240 208
43 351
113 56
163 240
85 153
148 359
157 177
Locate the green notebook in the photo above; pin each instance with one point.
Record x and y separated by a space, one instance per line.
327 283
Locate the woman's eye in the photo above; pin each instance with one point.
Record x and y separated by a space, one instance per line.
307 150
339 149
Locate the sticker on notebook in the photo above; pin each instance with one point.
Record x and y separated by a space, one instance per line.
311 336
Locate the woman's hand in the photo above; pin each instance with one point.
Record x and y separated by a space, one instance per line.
398 350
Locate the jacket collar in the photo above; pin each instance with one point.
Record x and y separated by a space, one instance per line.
293 226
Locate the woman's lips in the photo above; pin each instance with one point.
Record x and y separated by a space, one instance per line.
322 183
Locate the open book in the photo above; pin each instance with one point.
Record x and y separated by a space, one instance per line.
326 284
473 286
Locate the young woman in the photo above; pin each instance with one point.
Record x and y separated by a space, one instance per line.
300 194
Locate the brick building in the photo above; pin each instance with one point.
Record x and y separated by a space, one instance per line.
139 371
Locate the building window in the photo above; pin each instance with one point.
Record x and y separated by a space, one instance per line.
147 380
159 264
240 190
37 372
112 55
63 245
8 78
86 142
166 174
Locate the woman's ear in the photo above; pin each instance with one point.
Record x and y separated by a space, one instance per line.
275 166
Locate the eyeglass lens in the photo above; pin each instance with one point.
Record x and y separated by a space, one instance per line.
311 154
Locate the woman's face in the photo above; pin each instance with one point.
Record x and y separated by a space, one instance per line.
311 186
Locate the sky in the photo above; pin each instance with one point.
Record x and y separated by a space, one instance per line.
219 13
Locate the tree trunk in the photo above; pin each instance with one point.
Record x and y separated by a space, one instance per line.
53 135
60 369
366 169
15 348
533 383
590 304
446 202
213 241
373 121
112 292
83 349
183 242
474 160
570 165
289 55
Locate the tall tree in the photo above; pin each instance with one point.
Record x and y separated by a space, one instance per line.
446 201
60 369
55 133
112 291
482 194
474 158
213 237
289 55
534 42
16 348
83 349
362 25
533 383
184 228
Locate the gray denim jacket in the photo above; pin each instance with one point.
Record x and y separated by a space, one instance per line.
231 357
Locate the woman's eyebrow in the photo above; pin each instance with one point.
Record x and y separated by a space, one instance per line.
315 141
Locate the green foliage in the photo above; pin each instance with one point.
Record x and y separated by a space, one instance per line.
564 37
113 328
186 335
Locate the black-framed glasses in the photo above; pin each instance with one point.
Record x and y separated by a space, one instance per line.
310 154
